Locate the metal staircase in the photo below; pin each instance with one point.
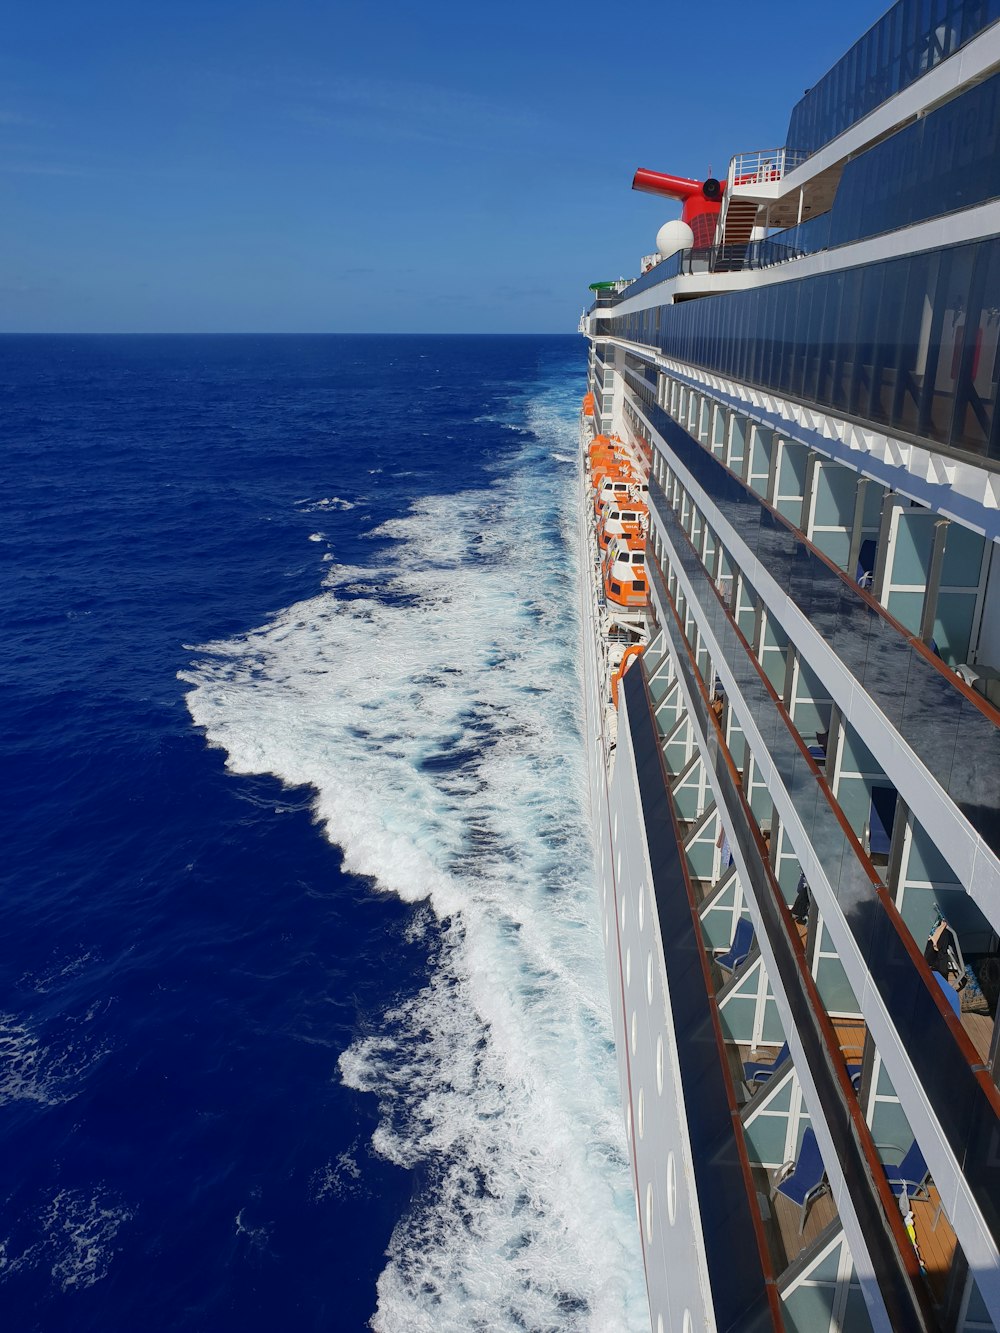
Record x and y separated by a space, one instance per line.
738 223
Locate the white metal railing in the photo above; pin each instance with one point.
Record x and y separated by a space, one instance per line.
763 166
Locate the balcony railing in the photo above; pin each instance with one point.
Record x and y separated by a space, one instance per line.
764 166
727 259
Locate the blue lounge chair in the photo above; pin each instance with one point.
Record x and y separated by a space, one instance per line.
806 1178
910 1175
950 993
865 574
739 950
753 1072
881 817
854 1074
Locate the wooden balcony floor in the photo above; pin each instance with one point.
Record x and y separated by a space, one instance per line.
936 1240
782 1226
851 1034
980 1030
821 1213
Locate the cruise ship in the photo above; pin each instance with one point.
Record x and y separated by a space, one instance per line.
790 503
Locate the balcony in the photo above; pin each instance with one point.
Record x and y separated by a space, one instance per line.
764 166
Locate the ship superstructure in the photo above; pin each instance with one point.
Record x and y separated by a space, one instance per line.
794 736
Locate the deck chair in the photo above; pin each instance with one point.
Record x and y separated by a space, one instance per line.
865 573
754 1072
803 1180
950 994
910 1175
739 950
881 817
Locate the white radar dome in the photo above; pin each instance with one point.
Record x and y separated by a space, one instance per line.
674 236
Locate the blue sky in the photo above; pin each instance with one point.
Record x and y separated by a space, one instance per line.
305 166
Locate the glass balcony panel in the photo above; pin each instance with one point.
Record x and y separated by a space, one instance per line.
888 327
947 340
868 311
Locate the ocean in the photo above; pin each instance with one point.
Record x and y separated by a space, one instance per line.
303 1017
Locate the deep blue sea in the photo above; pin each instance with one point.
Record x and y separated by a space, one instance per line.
303 1019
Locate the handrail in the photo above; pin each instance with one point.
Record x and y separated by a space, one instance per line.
760 254
763 166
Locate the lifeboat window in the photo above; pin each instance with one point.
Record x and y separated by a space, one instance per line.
639 585
638 558
615 587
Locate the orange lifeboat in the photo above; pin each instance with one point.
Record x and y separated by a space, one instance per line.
604 454
588 404
602 441
625 581
617 490
622 520
633 650
616 468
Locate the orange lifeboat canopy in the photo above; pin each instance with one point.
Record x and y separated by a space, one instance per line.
603 456
607 463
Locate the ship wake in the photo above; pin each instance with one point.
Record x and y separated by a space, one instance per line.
429 697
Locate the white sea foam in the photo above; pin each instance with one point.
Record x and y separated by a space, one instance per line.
32 1070
329 502
431 701
76 1235
339 1178
61 969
